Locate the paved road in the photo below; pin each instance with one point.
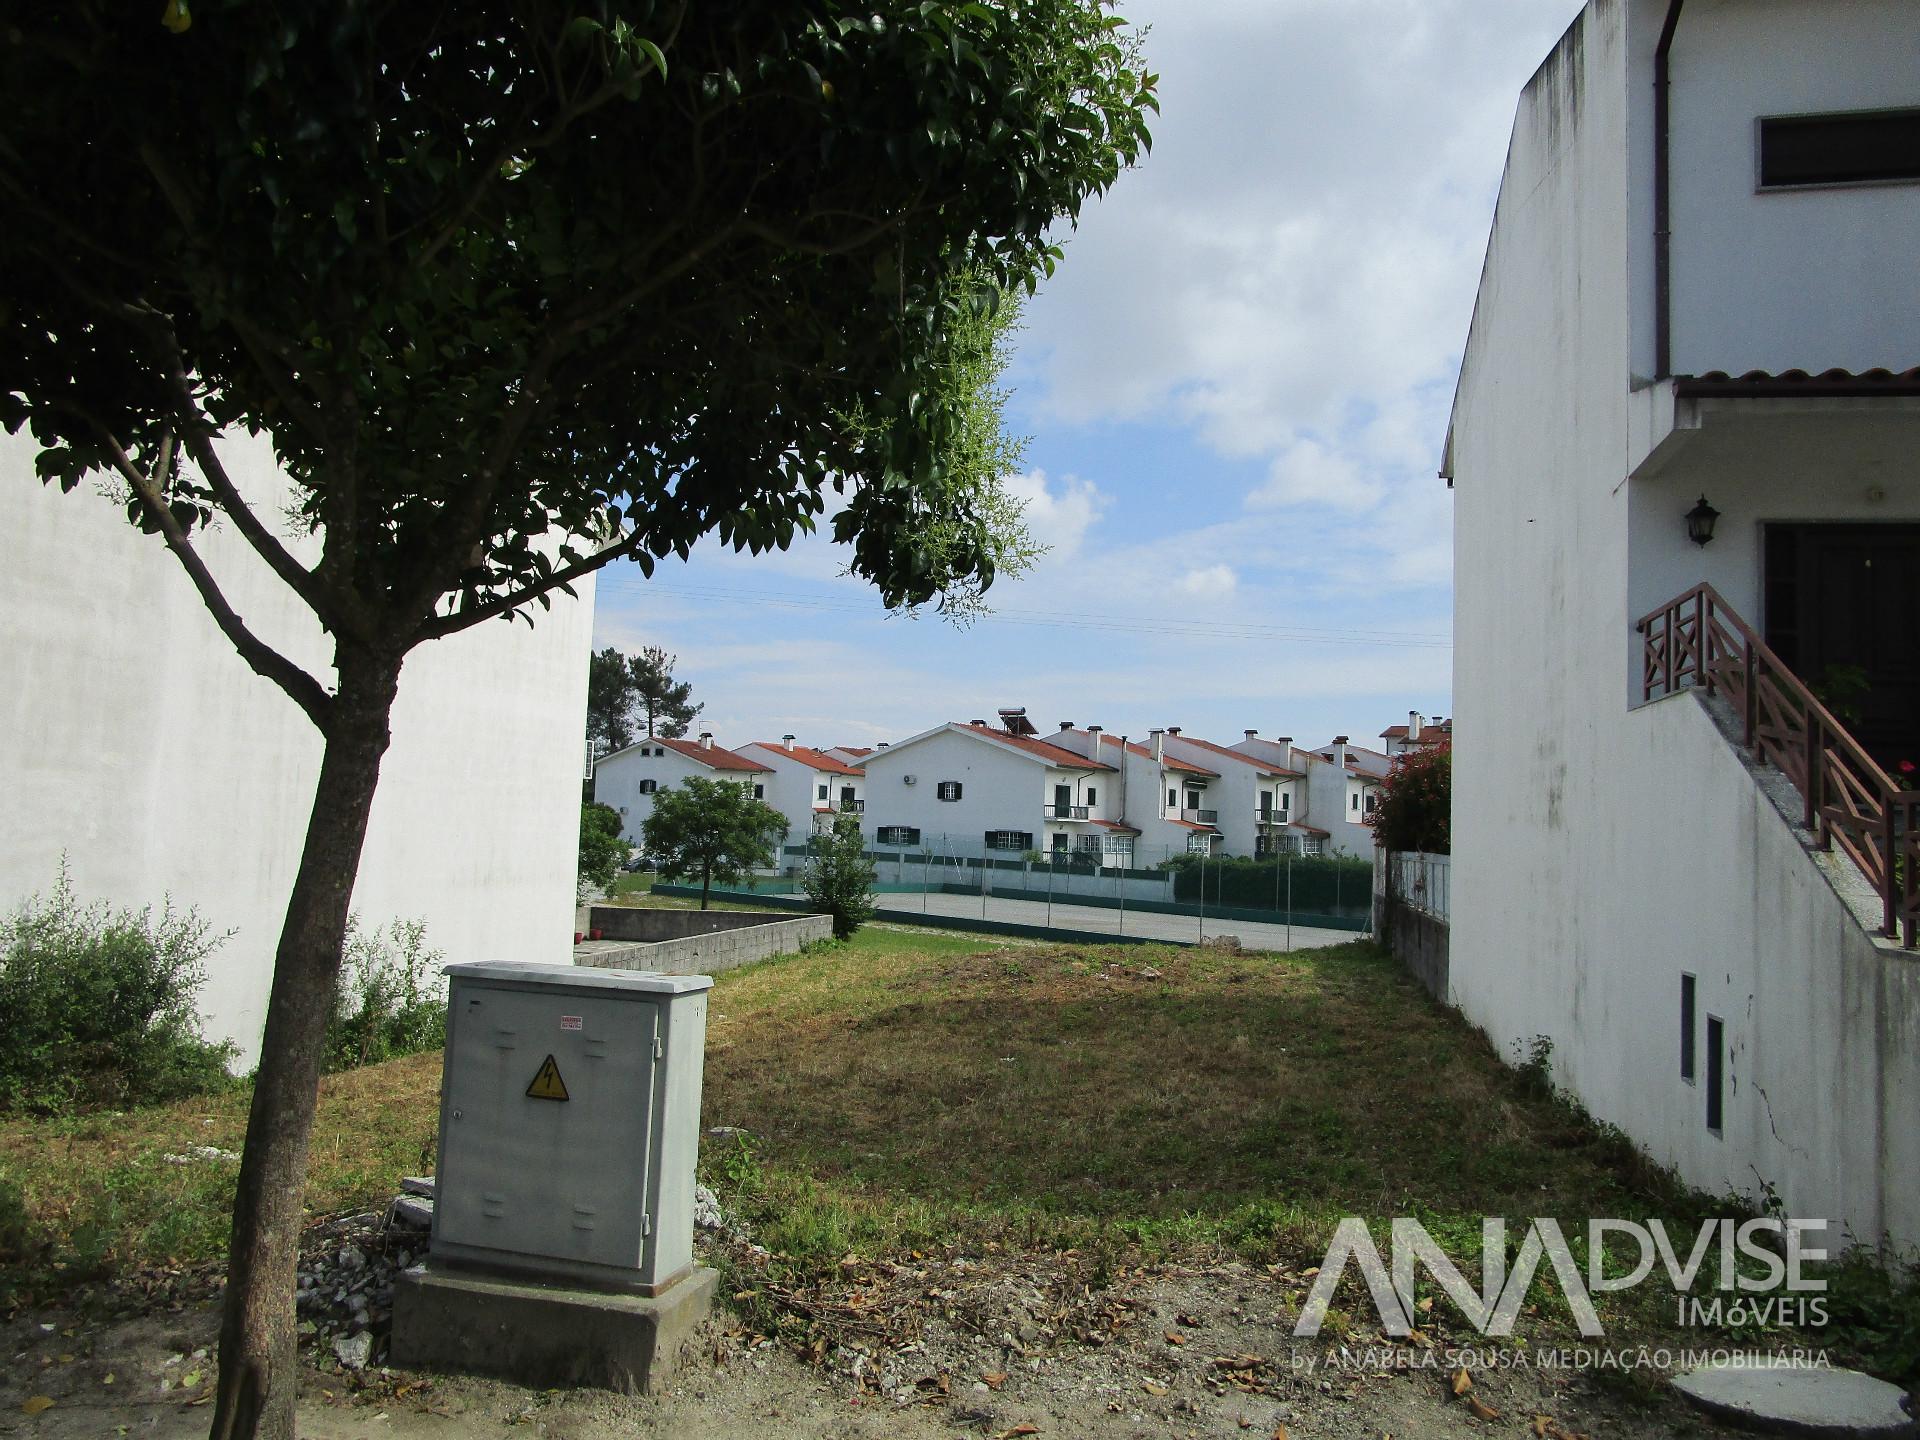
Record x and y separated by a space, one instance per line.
1100 920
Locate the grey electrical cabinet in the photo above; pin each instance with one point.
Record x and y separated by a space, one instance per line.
570 1123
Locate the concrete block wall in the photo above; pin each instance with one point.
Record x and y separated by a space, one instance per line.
694 942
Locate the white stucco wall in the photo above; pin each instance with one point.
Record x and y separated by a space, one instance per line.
1810 278
1598 852
142 747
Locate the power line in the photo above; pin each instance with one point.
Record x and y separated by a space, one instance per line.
1175 627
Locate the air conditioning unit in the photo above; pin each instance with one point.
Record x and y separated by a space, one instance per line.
911 779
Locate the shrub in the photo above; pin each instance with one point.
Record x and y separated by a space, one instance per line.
99 1005
389 1000
839 877
1322 884
601 848
1416 803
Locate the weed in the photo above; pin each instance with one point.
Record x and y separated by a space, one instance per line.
388 1001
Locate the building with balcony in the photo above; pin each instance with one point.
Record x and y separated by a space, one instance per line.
1687 570
810 787
1255 798
1333 798
998 787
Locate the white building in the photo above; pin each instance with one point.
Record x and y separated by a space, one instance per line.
144 750
1700 285
628 779
810 787
1161 805
1419 733
1334 798
976 785
1253 798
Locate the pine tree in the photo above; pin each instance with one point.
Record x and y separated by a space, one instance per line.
665 700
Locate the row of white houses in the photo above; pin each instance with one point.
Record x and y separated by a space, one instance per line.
1003 787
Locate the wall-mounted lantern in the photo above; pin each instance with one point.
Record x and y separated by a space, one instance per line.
1700 522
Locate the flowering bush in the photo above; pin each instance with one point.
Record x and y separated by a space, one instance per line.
1416 803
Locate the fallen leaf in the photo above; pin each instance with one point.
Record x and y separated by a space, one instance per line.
1540 1423
1153 1387
36 1404
107 1379
1462 1382
1481 1410
1021 1429
1175 1338
994 1379
1280 1430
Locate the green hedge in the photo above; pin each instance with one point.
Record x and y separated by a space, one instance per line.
1323 883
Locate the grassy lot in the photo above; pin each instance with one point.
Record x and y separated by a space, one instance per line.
912 1090
637 890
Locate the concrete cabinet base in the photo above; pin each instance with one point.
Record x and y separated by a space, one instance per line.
545 1335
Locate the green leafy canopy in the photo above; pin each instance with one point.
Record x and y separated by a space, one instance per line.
520 288
711 829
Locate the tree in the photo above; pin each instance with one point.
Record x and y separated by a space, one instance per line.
1416 802
601 848
711 828
518 289
839 876
609 701
665 701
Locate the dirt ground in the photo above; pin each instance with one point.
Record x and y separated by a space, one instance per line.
1003 1349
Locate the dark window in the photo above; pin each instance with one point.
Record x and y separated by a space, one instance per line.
1009 839
1093 796
647 787
1848 149
1686 1027
897 835
1173 800
1716 1066
949 790
759 792
823 791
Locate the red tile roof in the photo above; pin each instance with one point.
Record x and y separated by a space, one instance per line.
1310 830
1265 767
1167 760
1052 754
1762 384
712 756
855 749
1190 824
1118 825
806 755
1394 732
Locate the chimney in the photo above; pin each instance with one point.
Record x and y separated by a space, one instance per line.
786 742
883 745
1251 734
1159 745
979 724
1415 724
706 739
1066 724
1340 751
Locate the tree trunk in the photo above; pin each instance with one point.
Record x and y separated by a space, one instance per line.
706 884
258 1363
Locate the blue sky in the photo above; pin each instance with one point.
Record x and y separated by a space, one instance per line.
1236 390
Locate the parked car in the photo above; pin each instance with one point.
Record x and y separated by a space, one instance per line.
637 862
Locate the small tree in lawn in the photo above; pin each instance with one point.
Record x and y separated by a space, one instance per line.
518 288
1416 802
714 829
839 876
665 701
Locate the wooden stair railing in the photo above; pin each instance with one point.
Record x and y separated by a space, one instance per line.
1697 639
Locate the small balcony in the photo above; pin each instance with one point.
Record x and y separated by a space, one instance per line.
1066 812
1200 817
1270 819
850 807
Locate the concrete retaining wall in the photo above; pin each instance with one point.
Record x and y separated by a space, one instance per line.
1420 942
694 942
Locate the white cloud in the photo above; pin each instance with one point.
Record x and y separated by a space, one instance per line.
1212 582
1057 516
